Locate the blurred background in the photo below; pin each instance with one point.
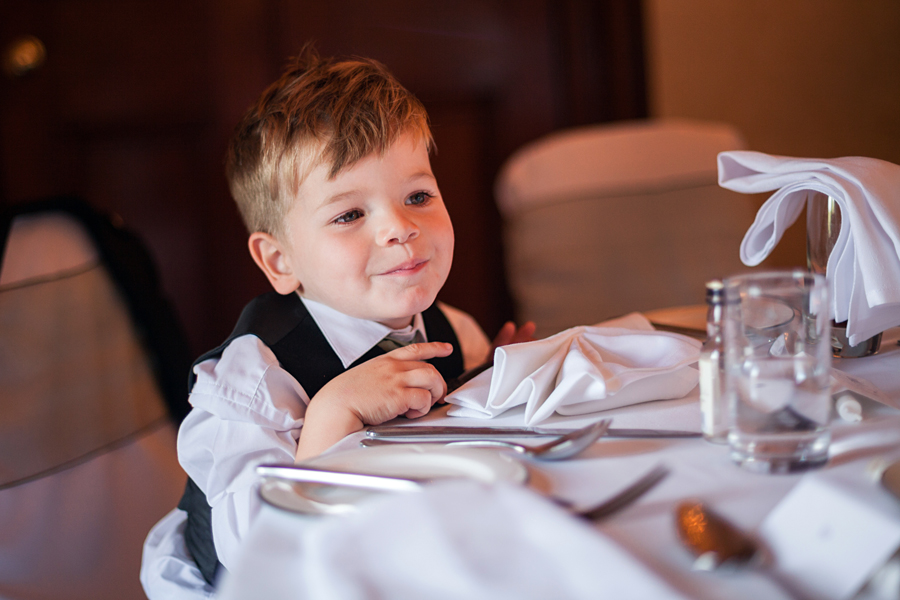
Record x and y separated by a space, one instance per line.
130 103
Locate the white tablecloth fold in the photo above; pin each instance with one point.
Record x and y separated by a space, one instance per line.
454 540
864 267
582 370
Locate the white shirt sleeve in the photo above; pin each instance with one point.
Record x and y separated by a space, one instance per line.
247 411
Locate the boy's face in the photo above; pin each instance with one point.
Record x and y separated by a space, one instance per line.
376 241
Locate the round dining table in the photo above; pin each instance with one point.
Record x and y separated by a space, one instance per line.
828 530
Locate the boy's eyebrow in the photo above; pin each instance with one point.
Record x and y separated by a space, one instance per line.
340 196
420 175
350 193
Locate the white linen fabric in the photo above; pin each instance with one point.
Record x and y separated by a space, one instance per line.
269 563
248 411
454 540
583 370
864 267
167 569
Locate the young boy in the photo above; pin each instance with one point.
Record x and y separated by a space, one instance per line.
331 172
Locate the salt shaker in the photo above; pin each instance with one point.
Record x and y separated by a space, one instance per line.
713 408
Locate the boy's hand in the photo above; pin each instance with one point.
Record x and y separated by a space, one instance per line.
397 383
510 335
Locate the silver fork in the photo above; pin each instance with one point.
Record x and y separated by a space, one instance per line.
622 499
563 447
384 483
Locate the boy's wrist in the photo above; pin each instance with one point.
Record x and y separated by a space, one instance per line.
325 424
335 417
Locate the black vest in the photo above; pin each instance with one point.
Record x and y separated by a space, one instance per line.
286 327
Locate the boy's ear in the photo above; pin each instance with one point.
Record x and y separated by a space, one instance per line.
270 256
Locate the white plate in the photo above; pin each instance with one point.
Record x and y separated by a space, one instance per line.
762 314
765 314
406 460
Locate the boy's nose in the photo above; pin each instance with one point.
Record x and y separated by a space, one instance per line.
397 229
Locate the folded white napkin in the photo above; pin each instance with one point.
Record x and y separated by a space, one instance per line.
457 539
582 370
864 267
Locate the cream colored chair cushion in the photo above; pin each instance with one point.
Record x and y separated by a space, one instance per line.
605 220
87 450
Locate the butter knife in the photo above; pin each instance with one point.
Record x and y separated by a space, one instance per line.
380 483
443 433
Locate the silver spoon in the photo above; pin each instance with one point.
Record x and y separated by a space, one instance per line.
716 542
890 479
566 446
711 538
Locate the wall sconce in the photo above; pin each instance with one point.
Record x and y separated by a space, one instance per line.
23 55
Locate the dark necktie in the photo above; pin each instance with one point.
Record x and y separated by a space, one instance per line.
391 343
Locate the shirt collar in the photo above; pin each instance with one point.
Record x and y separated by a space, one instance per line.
351 337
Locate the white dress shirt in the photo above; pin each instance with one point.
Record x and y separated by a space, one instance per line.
247 410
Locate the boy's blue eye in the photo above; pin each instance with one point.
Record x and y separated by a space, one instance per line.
349 216
419 198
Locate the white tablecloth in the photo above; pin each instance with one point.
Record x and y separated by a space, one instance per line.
645 531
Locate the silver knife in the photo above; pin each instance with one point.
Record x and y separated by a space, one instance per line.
381 483
443 433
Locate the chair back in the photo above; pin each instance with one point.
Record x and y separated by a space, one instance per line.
604 220
87 445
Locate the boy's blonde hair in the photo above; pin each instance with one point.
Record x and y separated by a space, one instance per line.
319 110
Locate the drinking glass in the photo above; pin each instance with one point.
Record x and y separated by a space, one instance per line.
777 362
823 224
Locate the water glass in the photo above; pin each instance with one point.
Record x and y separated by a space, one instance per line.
823 225
777 362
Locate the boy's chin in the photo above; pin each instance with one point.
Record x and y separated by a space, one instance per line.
403 315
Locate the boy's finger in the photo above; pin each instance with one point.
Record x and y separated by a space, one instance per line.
525 333
505 335
422 351
426 377
419 404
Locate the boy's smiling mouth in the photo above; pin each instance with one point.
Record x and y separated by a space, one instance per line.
409 267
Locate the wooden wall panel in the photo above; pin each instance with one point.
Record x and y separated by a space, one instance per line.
801 78
463 170
137 100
